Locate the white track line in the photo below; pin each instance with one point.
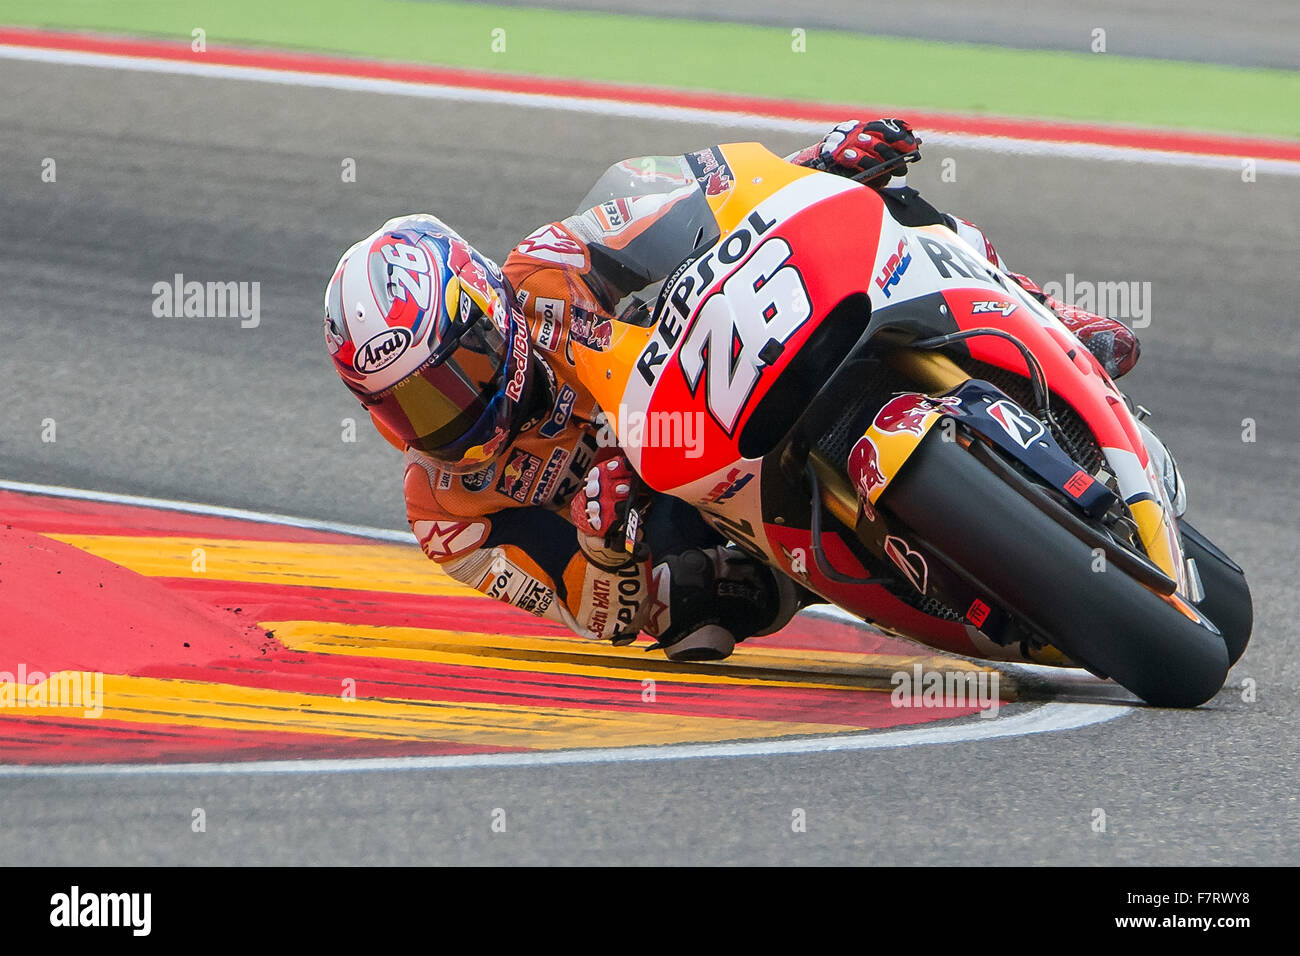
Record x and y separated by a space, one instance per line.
217 511
607 107
1044 719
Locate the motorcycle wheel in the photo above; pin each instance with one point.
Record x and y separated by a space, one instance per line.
1011 549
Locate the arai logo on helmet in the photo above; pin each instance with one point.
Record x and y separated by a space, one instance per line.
382 350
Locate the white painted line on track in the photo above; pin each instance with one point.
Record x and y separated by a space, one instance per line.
1043 719
627 110
216 511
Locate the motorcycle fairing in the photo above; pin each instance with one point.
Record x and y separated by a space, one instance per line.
732 321
710 355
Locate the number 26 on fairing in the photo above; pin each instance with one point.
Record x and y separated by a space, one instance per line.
762 300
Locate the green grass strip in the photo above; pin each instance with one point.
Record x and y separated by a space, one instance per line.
733 58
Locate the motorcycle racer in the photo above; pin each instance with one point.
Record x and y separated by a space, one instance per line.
505 453
513 483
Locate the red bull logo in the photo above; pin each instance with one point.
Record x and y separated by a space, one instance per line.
590 330
907 412
716 184
471 272
518 474
475 276
519 352
864 468
711 171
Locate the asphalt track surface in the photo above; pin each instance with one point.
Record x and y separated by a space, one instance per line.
1252 33
229 180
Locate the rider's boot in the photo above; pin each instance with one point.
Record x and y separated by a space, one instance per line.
706 601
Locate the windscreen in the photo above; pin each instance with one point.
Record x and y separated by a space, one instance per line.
649 214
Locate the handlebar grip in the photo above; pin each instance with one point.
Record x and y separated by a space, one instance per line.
873 171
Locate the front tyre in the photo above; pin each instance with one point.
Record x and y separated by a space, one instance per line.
1038 570
1227 596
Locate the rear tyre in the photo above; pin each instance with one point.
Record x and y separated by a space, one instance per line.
1027 562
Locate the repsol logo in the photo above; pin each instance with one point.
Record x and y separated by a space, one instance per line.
382 350
951 259
501 584
689 289
630 595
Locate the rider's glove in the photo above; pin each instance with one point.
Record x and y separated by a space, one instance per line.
856 145
600 513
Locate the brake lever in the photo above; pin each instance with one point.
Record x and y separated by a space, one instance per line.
873 171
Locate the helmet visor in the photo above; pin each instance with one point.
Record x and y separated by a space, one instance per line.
446 400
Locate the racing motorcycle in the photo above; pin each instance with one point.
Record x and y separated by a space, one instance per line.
898 426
